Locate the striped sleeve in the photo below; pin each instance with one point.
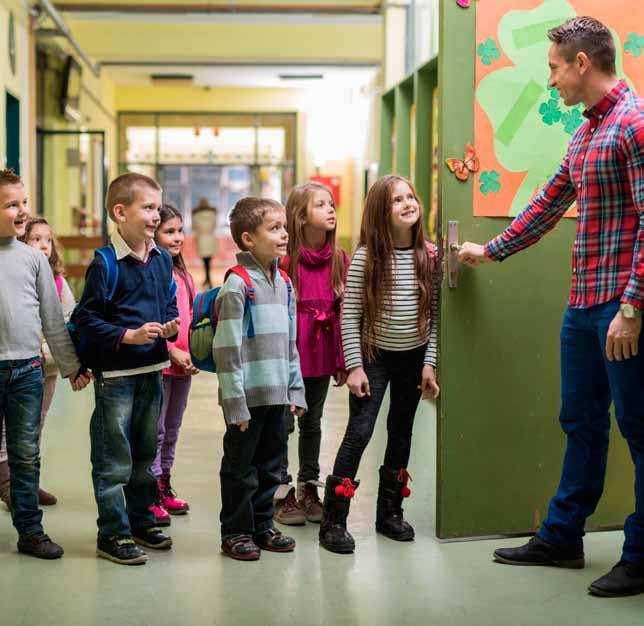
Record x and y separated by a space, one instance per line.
226 348
431 354
352 311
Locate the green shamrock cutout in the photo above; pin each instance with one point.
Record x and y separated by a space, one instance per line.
634 45
490 182
550 112
572 120
488 51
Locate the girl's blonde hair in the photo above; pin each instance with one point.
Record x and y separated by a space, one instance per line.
297 206
55 260
377 238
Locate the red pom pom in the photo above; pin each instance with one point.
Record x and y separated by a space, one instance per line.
339 490
406 492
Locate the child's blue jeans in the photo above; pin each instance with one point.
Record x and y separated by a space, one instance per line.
123 433
21 388
589 381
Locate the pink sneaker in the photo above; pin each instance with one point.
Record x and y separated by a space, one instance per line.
160 515
172 504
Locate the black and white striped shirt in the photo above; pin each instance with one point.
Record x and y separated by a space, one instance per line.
397 329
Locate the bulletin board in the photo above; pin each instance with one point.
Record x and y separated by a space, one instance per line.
522 126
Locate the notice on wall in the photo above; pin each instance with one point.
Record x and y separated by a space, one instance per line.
522 127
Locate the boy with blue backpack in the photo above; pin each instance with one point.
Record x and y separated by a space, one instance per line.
127 311
259 378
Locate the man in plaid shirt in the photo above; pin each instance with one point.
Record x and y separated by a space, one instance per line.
602 346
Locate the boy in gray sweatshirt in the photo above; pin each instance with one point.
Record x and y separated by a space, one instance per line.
29 306
259 378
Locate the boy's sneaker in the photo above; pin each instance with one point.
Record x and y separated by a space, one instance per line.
120 549
161 516
309 501
273 540
169 500
240 547
152 537
39 545
287 511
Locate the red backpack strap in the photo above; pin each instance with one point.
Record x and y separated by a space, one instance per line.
59 285
245 276
286 278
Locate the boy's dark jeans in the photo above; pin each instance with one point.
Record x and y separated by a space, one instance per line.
310 431
404 371
250 471
21 389
123 433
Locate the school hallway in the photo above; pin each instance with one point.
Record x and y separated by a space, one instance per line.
424 583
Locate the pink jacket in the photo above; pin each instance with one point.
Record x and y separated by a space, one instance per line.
185 315
319 339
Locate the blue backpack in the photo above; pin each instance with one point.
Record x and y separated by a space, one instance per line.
108 254
204 318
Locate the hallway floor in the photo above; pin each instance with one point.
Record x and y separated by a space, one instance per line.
424 583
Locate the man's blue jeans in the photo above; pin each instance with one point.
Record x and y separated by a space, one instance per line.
21 384
588 383
123 432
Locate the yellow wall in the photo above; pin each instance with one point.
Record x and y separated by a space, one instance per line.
18 84
221 41
62 180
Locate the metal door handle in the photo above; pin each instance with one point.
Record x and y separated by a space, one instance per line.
453 248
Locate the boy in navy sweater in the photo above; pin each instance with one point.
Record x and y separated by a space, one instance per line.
125 339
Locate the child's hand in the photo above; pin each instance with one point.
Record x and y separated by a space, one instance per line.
79 380
243 426
171 328
182 359
299 411
358 382
340 377
148 333
428 385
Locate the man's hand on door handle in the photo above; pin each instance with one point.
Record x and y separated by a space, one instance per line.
473 254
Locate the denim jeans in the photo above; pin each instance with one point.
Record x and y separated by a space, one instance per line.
123 433
21 391
588 384
250 471
403 370
310 431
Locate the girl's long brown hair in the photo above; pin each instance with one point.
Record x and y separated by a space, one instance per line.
167 212
297 206
55 260
377 238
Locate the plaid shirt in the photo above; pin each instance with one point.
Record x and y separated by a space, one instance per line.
603 171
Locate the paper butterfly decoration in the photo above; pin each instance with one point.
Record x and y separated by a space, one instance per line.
464 4
469 163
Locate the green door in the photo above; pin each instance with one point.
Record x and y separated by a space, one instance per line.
500 447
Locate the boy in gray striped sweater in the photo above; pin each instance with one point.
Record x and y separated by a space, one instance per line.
259 378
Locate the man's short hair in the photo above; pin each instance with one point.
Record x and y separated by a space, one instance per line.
248 214
9 177
586 34
123 188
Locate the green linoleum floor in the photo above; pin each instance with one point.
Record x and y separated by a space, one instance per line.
425 583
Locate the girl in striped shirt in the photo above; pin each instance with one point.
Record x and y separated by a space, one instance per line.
389 336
